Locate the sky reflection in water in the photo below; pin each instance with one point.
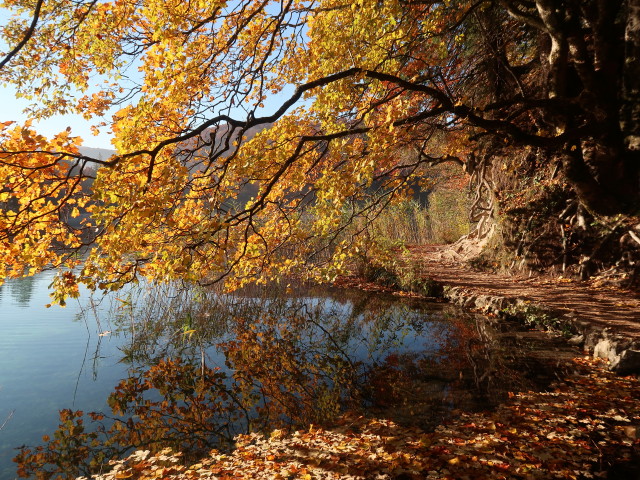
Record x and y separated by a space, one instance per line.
55 358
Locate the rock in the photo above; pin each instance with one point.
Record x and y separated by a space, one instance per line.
622 352
576 340
632 431
628 363
607 348
470 302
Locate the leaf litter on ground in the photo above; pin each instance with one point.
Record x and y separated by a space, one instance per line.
586 426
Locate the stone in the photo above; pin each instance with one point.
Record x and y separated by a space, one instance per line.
632 431
607 349
629 362
576 340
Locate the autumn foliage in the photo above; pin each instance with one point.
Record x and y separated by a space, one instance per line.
358 97
575 430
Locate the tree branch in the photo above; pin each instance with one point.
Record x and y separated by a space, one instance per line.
27 36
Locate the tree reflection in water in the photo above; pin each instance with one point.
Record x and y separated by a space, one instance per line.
207 366
20 290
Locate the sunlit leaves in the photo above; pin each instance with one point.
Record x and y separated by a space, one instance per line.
196 189
37 199
577 430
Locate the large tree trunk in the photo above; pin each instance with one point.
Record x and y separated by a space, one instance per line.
604 176
591 66
630 114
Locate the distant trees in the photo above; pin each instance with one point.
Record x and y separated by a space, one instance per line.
551 82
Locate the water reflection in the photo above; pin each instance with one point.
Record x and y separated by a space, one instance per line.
20 290
205 366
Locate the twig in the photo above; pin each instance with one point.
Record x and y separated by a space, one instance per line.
634 236
7 419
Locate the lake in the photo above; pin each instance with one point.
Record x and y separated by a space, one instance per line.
49 359
272 360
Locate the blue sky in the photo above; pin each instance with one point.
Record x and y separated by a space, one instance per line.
12 108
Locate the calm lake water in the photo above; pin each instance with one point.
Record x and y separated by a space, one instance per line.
50 359
56 358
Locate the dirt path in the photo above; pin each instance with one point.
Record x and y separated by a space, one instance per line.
603 307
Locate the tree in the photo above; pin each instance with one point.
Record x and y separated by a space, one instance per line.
455 81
